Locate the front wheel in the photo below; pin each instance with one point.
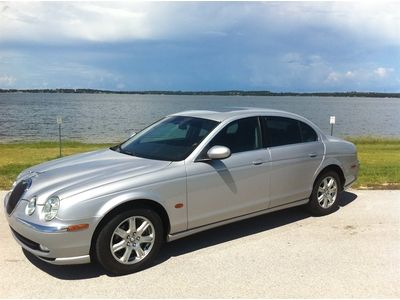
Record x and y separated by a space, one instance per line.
324 197
130 241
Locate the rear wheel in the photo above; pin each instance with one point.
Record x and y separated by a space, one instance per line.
324 198
130 241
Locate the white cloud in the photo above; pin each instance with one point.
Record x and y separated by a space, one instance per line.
349 74
383 72
112 21
334 77
361 77
58 22
7 80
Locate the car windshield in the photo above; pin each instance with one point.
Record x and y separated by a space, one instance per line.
172 138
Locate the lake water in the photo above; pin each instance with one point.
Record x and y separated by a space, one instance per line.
112 117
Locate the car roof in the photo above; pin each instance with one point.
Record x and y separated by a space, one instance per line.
228 113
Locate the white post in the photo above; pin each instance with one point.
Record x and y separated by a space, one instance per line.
332 121
59 122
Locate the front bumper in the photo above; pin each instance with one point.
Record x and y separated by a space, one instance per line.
51 243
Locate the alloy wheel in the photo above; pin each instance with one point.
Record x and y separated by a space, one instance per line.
327 192
132 240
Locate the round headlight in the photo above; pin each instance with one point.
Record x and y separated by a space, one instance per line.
31 206
50 208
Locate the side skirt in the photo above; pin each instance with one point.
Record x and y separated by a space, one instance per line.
182 234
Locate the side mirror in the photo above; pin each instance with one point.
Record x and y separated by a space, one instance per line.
218 152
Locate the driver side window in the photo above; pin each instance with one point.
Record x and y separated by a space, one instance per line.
239 136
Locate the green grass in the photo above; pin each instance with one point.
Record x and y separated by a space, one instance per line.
379 158
16 157
379 162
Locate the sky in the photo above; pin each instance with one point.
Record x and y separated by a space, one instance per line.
194 46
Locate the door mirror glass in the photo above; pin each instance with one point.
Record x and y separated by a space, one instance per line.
218 152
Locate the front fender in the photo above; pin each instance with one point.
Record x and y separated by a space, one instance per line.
127 197
168 191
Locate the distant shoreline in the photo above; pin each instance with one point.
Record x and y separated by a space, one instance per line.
207 93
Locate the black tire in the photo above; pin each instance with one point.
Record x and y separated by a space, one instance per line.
314 206
104 254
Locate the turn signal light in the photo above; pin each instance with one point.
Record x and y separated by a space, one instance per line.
77 227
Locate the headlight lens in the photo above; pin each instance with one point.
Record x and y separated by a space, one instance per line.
50 208
31 206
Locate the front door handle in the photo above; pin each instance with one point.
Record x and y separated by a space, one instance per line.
312 154
258 162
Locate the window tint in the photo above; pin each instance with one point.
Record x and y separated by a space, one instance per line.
282 131
307 133
240 135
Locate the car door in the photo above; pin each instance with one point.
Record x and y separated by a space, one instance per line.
296 152
221 189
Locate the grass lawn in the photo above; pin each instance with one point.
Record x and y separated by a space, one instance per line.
16 157
380 160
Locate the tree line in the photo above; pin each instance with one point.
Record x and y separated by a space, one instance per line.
207 93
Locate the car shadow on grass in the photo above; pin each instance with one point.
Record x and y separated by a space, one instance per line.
192 243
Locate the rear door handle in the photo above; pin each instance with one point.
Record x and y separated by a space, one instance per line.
258 162
312 154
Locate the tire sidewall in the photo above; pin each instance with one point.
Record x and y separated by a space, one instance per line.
103 251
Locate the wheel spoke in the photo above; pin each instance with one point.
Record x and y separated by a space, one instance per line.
146 239
325 182
142 228
132 224
121 233
325 203
320 197
127 255
331 182
139 252
320 190
119 246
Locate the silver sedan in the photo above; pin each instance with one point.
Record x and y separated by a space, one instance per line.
186 173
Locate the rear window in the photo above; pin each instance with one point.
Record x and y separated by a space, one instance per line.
280 131
307 133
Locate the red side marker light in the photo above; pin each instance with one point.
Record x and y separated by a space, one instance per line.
179 205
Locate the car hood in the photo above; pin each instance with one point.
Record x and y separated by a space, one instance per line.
78 173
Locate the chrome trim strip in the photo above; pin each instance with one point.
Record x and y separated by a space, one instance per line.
42 228
76 260
182 234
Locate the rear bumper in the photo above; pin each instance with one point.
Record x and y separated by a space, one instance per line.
352 174
349 184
